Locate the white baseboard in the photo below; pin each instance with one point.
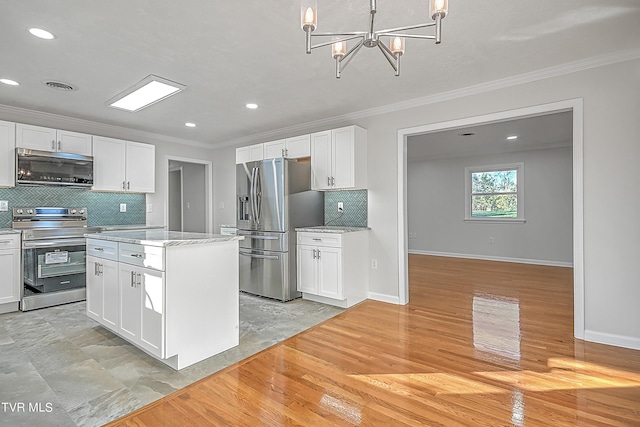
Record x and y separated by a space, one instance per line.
384 298
612 339
493 258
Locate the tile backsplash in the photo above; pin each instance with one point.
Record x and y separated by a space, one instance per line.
102 208
355 208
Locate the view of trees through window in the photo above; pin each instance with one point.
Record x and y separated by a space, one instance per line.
494 194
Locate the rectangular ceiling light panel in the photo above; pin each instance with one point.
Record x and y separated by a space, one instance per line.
144 93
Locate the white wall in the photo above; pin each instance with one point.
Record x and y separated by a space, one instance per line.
435 209
611 153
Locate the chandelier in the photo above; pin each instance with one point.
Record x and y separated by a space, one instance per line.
438 9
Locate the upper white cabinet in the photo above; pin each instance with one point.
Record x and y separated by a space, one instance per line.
339 159
7 154
250 153
47 139
120 165
292 148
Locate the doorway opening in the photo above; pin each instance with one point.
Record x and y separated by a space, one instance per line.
189 195
573 106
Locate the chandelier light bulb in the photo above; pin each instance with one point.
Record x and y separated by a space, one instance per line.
438 8
338 49
309 15
397 45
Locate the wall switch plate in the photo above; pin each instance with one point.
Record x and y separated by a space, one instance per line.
374 264
340 207
4 205
149 208
123 207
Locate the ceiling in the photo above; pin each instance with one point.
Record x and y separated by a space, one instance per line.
229 53
534 133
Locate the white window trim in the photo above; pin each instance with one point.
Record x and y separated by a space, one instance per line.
519 167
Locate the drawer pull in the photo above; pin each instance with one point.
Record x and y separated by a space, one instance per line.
137 255
6 241
99 249
317 239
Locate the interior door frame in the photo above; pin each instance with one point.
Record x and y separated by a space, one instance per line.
574 105
208 176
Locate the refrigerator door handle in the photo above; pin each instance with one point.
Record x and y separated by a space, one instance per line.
252 194
258 195
250 255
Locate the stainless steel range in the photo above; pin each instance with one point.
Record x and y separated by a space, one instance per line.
53 255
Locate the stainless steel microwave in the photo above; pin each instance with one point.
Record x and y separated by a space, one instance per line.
48 168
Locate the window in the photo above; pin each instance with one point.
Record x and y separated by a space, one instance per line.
495 193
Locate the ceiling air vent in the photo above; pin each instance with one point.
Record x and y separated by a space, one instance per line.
60 85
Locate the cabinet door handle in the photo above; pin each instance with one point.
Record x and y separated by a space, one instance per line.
95 269
59 145
100 270
333 182
139 279
128 185
124 185
328 181
53 145
283 152
318 253
314 254
133 278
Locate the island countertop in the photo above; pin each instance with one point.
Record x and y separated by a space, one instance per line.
331 229
162 238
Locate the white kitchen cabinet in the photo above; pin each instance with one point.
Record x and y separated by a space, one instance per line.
7 154
10 268
103 291
125 166
48 139
333 267
179 303
250 153
291 148
339 159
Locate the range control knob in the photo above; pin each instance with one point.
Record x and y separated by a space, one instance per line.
20 211
30 211
81 211
73 211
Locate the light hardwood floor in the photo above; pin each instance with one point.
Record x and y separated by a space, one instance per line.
481 343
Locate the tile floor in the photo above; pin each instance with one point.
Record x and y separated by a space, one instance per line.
60 368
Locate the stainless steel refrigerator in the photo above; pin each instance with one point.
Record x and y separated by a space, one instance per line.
273 198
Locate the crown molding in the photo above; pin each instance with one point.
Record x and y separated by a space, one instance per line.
96 128
545 73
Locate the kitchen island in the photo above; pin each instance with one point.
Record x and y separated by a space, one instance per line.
172 294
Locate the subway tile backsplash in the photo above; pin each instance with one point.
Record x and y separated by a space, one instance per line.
102 208
355 208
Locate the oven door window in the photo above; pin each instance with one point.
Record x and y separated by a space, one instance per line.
50 270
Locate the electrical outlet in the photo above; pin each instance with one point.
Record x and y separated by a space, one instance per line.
123 207
149 208
340 207
374 264
491 240
4 205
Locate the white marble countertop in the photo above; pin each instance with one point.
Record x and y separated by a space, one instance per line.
130 227
9 231
162 238
332 229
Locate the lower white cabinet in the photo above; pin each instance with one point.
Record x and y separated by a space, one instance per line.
333 267
10 268
178 303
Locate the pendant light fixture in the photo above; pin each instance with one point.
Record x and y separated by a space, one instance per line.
438 10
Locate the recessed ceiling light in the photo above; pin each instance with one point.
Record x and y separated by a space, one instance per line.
190 125
9 82
147 91
43 34
252 106
512 137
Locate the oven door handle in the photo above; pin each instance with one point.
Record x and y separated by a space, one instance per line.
45 243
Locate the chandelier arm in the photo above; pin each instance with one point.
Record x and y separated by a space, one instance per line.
352 33
352 53
323 44
409 36
373 14
408 27
389 55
